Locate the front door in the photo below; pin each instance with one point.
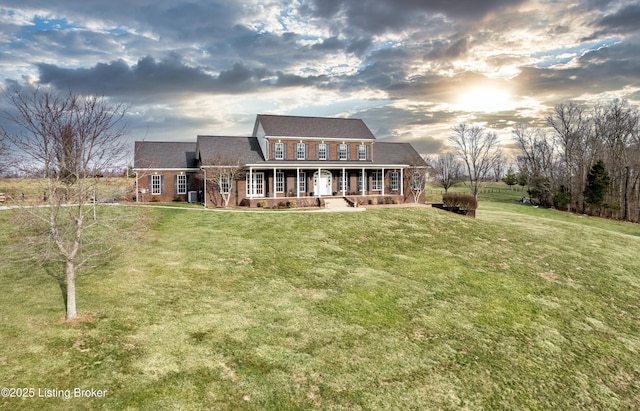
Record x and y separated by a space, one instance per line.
322 183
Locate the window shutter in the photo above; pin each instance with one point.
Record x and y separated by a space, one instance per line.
175 184
366 151
149 189
284 151
348 152
161 184
273 151
317 151
306 151
187 183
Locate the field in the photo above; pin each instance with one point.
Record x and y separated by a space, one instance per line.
410 308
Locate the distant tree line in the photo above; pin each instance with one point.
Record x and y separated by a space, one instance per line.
585 159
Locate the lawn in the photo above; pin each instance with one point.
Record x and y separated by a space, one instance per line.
410 308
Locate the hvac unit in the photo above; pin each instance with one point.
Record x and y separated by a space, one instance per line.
192 196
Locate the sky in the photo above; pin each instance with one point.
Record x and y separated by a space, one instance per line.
411 69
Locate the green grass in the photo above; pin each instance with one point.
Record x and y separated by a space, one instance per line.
410 308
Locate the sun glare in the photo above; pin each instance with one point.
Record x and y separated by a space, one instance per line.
484 99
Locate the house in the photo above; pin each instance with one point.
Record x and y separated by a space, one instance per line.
300 160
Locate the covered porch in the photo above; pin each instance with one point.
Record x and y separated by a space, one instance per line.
307 185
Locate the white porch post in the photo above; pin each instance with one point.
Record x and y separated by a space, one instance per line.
401 183
298 182
382 181
317 187
364 179
250 188
344 182
274 183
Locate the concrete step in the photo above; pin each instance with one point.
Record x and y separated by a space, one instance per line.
336 203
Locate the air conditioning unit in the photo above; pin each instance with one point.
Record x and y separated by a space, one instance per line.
192 196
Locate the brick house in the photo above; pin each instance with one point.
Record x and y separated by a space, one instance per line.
302 160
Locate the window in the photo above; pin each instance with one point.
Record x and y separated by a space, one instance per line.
362 181
278 151
362 152
343 152
302 183
257 188
156 185
279 182
322 151
343 179
417 182
224 184
181 184
376 180
301 151
394 181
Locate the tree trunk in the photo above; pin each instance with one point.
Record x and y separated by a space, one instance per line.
71 291
625 216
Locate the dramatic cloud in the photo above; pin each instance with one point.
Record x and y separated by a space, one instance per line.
412 69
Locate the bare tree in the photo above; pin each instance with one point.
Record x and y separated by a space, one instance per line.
617 123
220 176
537 154
480 151
448 170
415 181
69 137
577 146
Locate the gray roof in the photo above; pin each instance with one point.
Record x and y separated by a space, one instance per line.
224 150
396 153
162 155
294 126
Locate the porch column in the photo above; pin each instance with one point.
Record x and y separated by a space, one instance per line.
274 183
364 179
250 188
344 182
382 181
401 184
318 182
298 182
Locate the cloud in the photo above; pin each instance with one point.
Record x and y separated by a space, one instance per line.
170 76
378 16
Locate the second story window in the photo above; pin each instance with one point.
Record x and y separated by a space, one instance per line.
322 151
343 152
301 151
362 152
278 151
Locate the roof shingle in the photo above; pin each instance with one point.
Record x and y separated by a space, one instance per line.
162 155
295 126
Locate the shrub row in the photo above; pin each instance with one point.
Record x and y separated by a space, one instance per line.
465 202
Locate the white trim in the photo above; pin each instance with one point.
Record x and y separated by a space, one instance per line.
314 138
